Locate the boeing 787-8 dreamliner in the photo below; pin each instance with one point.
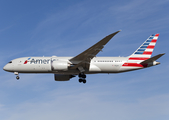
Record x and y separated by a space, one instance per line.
64 68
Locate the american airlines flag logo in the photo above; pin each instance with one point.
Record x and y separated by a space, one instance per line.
27 61
147 47
144 52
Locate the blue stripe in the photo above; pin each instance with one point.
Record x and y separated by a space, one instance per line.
141 49
146 43
138 52
151 37
153 34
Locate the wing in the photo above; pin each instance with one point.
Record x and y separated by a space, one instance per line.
82 61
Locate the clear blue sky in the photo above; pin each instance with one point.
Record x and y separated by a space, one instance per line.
66 28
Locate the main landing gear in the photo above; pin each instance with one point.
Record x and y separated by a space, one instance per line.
82 77
17 77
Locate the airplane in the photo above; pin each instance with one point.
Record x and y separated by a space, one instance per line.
65 68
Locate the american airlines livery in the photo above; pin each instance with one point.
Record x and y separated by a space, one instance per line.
65 68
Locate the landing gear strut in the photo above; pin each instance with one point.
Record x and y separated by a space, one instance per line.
82 77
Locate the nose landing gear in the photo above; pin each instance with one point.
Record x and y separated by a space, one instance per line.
17 77
82 77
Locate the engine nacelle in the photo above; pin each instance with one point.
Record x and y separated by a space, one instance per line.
59 65
59 77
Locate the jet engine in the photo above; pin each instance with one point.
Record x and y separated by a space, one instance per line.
59 77
59 65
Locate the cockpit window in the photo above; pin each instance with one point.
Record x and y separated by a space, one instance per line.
10 62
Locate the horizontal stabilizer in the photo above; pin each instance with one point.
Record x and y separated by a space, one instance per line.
152 59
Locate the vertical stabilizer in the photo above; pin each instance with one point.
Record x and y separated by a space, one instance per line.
145 51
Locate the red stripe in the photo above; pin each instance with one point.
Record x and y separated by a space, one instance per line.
154 40
147 53
157 35
26 62
134 65
151 46
138 58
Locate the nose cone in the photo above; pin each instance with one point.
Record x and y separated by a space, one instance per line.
7 68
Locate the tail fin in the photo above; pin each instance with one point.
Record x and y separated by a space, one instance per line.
145 51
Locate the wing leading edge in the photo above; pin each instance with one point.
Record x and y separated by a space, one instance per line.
82 61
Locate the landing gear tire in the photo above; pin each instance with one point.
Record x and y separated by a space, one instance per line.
17 77
82 75
82 78
84 81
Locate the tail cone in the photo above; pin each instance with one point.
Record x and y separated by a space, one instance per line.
157 63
